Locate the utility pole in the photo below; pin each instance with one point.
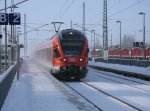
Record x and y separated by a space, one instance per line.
83 21
6 38
120 36
93 32
14 5
111 41
25 37
105 31
144 50
12 34
71 26
0 49
91 39
18 53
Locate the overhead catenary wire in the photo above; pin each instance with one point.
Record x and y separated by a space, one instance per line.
97 15
88 30
148 5
60 10
118 2
38 29
101 12
58 19
14 5
130 6
35 29
66 10
122 10
41 24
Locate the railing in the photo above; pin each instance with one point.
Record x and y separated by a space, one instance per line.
6 80
131 62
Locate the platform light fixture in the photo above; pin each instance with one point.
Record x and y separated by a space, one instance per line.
120 35
144 52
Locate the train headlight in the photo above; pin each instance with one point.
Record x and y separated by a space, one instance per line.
64 60
80 59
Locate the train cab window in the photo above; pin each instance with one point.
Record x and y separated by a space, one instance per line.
56 53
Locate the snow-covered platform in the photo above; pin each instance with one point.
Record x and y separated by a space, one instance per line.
139 72
37 90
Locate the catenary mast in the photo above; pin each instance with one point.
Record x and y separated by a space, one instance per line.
105 31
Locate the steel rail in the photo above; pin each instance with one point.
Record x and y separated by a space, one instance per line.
123 79
134 107
84 97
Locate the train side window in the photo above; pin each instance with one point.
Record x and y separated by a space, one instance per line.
87 50
56 53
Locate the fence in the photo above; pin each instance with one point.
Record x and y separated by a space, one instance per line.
131 62
6 80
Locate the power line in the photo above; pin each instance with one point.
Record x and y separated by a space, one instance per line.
93 26
14 5
139 1
66 10
108 9
115 4
35 23
97 15
34 29
88 30
29 26
127 8
145 4
60 10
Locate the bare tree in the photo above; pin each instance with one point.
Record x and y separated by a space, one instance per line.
98 44
127 41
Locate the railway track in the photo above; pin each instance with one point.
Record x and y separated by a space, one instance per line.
124 80
83 97
112 96
121 72
101 92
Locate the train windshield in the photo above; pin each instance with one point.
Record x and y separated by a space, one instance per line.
72 47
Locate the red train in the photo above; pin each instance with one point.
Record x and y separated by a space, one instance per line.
134 53
66 54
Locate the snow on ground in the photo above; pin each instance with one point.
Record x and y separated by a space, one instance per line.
36 92
142 70
121 89
148 70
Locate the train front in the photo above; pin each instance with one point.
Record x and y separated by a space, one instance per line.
75 54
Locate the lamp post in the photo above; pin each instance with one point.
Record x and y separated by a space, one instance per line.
94 43
144 52
0 52
18 52
91 40
6 38
12 28
120 35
